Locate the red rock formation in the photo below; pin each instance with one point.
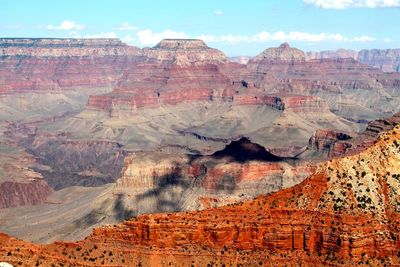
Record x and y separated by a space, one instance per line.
254 98
346 213
304 104
54 64
155 83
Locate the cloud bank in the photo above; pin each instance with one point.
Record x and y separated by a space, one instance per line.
148 37
343 4
66 25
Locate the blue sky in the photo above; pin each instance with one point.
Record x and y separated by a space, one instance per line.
236 27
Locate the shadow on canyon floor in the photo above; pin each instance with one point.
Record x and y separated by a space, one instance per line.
119 211
243 150
168 191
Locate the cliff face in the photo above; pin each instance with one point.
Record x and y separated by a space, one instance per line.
174 71
346 213
153 84
54 64
387 60
340 53
325 74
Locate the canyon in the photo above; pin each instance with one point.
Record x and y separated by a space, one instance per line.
345 213
94 132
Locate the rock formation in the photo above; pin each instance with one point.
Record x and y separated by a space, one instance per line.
387 60
353 91
20 183
282 53
184 52
54 64
346 213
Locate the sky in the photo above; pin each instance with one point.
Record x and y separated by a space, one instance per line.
237 27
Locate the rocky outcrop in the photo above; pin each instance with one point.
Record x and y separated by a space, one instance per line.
304 104
143 172
282 53
184 52
346 213
338 143
363 140
325 138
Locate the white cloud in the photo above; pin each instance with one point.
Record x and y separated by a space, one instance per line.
363 39
342 4
218 13
281 36
128 39
66 25
75 34
126 27
148 37
102 35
